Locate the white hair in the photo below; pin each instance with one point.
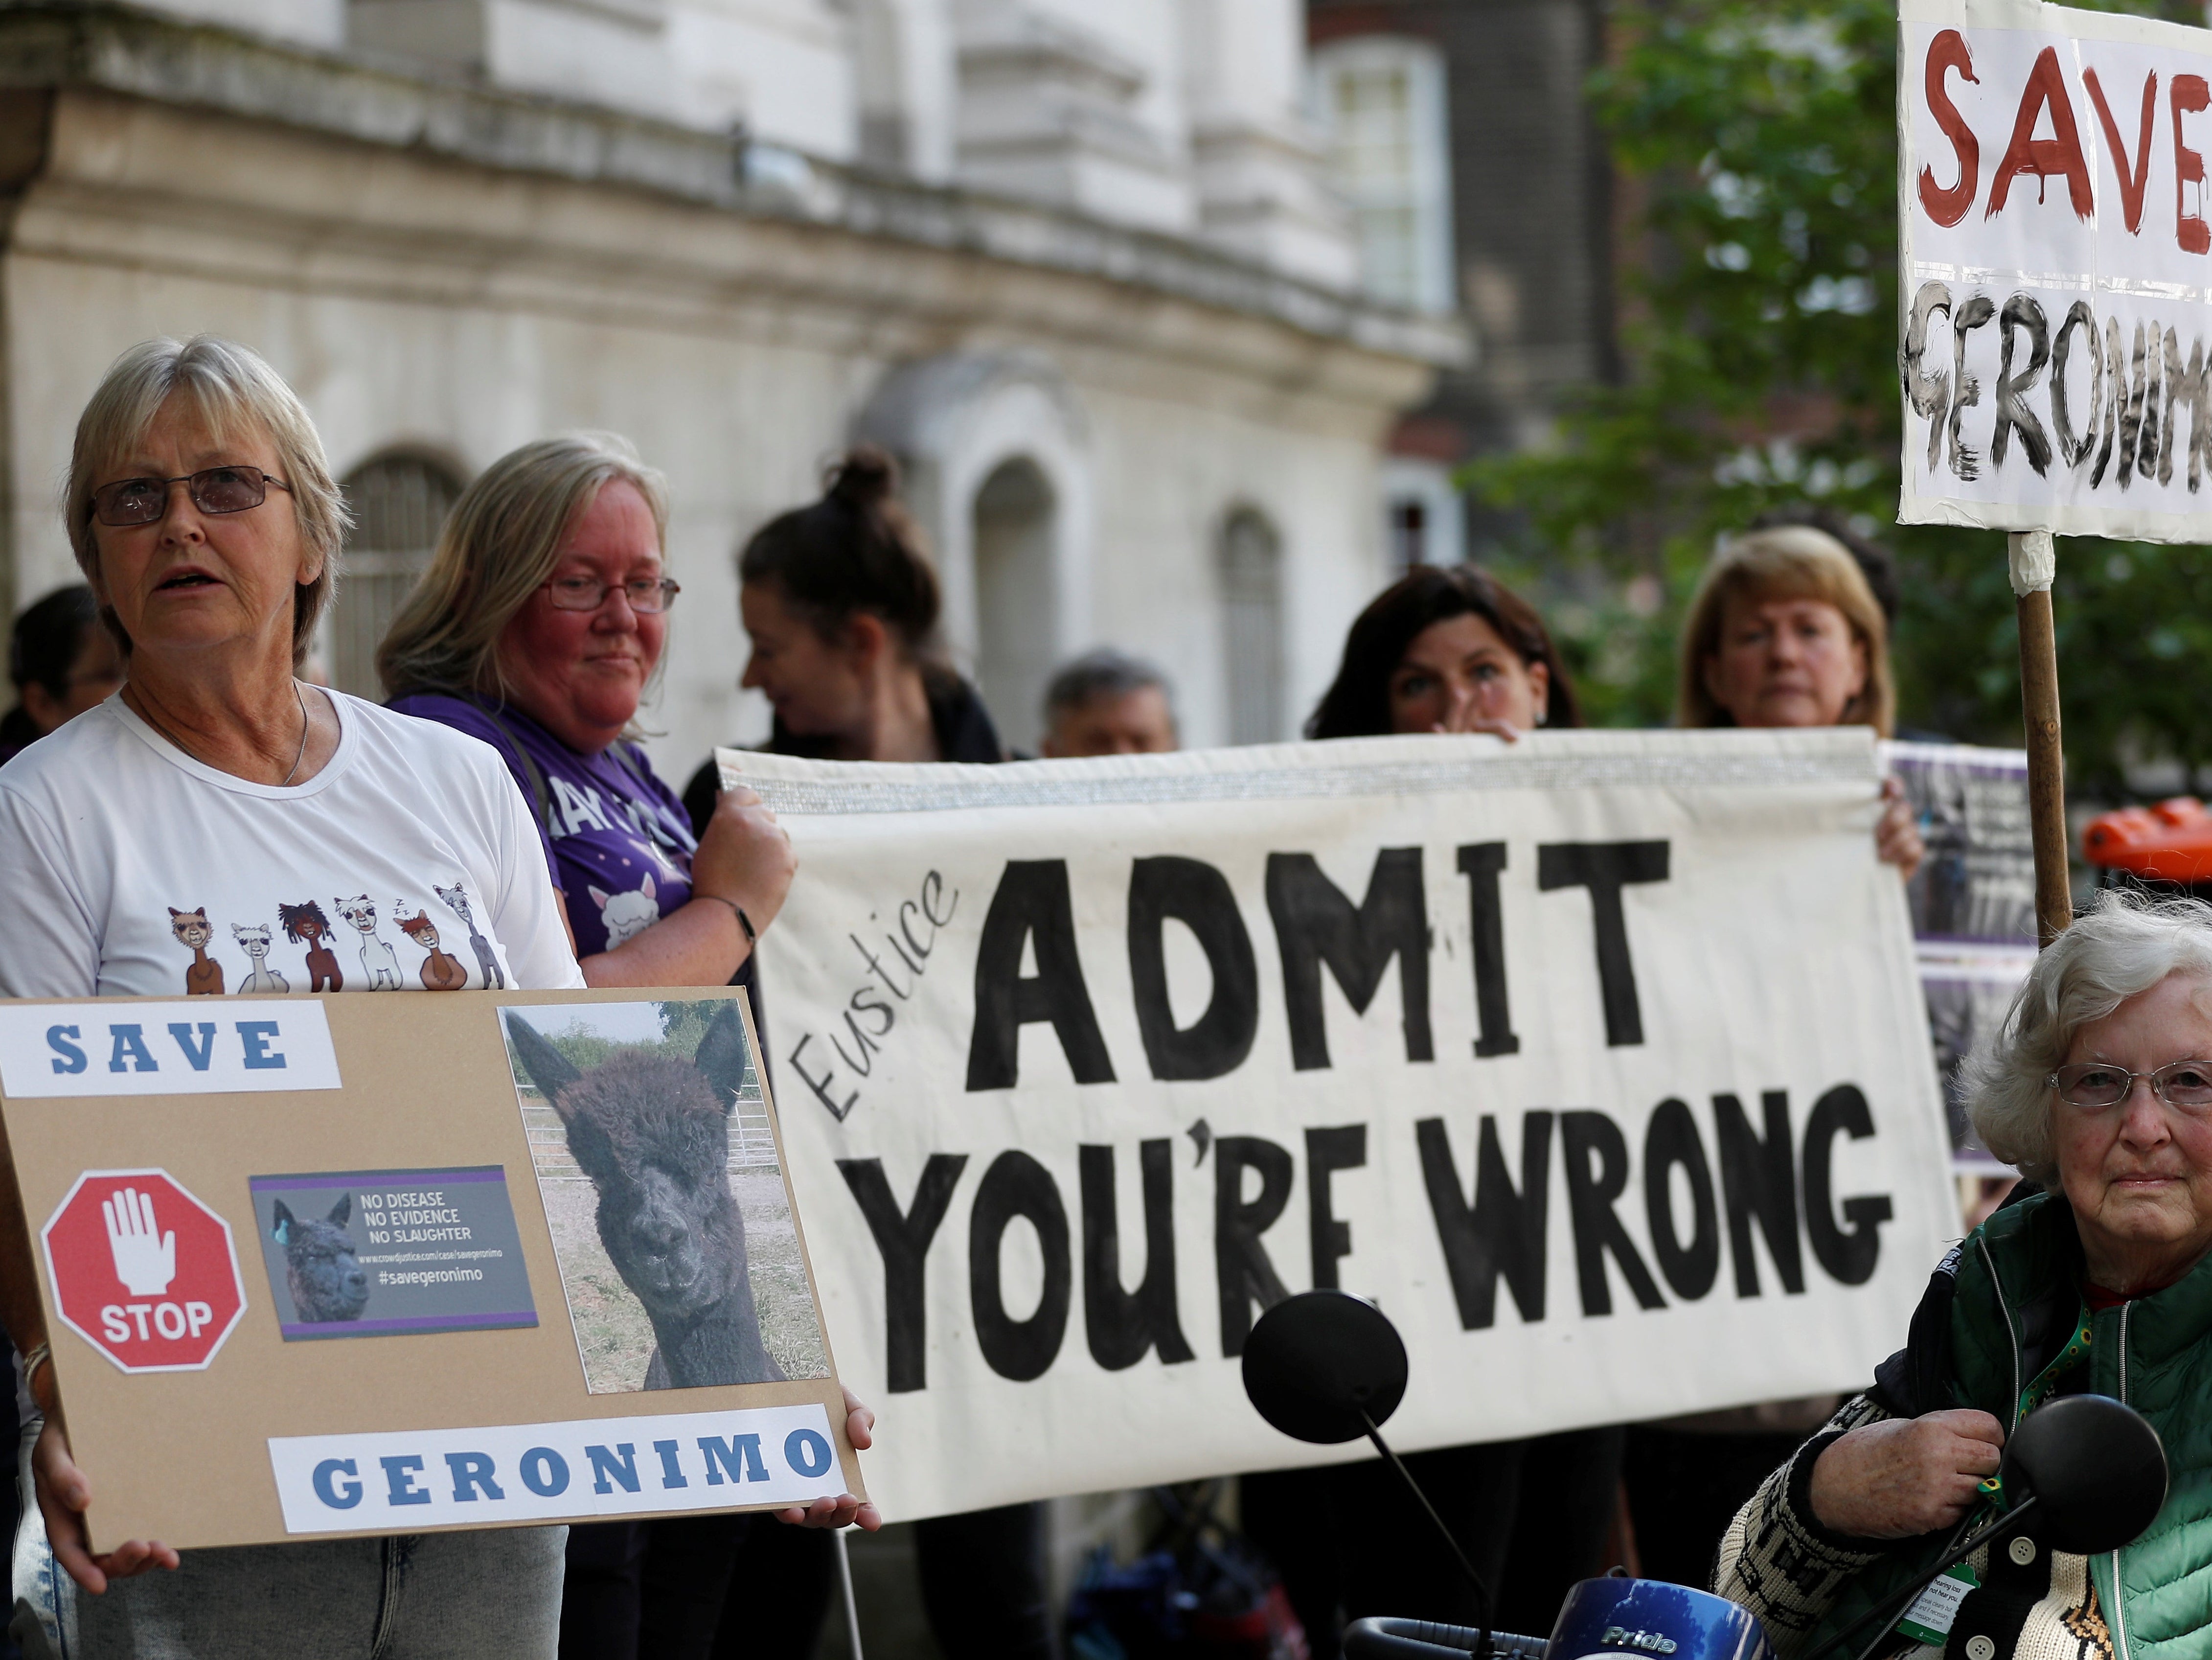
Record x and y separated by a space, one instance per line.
2125 944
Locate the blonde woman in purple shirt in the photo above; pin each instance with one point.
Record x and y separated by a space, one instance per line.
539 628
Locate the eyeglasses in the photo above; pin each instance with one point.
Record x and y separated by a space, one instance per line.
2184 1086
648 596
213 489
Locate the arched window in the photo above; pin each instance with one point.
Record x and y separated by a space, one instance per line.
399 501
1381 99
1015 597
1252 627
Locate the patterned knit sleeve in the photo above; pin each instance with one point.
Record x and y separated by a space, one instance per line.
1780 1563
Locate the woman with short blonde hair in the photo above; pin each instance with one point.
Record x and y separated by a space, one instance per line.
229 391
198 830
1794 565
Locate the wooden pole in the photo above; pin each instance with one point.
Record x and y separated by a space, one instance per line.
2033 560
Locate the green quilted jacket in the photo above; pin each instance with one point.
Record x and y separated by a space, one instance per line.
2001 1328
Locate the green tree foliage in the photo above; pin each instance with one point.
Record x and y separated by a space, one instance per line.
1754 141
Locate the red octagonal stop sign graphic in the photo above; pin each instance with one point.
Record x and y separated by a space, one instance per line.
142 1271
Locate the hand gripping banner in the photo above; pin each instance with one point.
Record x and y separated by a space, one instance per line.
1597 1060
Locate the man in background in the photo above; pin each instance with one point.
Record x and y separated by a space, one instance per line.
1108 702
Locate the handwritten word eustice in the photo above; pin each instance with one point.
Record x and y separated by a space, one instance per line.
868 1018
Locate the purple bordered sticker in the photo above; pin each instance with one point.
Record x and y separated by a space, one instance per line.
392 1253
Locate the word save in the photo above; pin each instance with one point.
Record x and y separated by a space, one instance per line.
125 1047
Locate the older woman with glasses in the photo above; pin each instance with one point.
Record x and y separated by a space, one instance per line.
539 628
2097 1086
146 842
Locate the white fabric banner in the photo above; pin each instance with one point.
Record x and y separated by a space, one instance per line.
1598 1061
2055 247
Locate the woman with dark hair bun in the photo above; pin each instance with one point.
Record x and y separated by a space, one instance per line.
842 605
62 663
1443 651
1447 650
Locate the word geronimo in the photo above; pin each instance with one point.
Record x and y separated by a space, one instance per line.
2113 397
545 1471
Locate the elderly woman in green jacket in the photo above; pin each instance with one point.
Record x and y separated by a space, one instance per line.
2098 1088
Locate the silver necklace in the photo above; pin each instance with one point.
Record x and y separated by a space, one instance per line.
302 755
161 727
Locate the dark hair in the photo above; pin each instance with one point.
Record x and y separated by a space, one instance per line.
50 636
1358 705
1874 560
853 550
1104 673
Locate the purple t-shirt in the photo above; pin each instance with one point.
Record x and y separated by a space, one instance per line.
617 838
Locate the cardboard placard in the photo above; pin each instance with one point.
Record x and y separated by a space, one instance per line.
552 1315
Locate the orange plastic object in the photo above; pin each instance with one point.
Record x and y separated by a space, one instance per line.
2170 842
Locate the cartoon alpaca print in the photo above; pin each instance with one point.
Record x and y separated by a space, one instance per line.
377 960
255 942
305 924
627 915
440 971
204 977
456 899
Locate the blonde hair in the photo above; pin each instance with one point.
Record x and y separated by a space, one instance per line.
1788 561
2121 947
232 391
500 544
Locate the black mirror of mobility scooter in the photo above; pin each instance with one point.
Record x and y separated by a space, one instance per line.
2094 1468
1324 1366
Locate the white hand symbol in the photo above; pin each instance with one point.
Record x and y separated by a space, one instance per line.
143 1261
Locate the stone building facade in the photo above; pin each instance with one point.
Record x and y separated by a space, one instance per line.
1078 265
1479 185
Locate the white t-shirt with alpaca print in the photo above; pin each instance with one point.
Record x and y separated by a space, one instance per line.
409 863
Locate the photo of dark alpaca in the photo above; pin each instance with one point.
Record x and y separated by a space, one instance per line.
321 1270
652 1135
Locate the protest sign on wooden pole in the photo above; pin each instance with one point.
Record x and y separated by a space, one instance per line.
2031 559
2070 272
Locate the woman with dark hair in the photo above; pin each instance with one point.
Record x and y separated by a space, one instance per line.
62 663
1447 650
840 604
1443 651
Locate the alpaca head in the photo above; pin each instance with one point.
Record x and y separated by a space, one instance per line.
304 925
653 1135
418 927
456 899
191 927
358 911
321 1268
254 940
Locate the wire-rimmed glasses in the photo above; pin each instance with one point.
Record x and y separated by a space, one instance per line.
2184 1086
648 596
129 501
